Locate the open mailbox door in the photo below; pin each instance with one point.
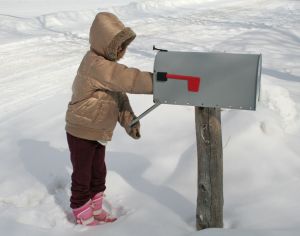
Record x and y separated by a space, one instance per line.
221 80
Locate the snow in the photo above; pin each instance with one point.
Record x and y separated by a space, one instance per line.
151 183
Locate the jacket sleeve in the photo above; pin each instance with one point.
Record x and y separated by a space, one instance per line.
125 111
116 77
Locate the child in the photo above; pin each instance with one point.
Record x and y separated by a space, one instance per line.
98 102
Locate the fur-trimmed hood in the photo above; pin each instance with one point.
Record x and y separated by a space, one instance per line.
107 33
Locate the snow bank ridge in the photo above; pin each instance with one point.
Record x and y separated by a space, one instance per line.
149 5
16 25
67 18
13 24
166 3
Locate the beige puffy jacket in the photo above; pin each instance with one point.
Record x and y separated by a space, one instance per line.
99 97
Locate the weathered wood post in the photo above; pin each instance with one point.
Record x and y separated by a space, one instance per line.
209 213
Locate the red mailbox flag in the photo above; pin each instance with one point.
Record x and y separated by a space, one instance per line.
193 81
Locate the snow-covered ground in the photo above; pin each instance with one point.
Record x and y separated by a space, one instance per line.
151 182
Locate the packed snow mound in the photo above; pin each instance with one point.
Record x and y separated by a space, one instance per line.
278 99
67 19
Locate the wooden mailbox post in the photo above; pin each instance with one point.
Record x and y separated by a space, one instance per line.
209 211
209 82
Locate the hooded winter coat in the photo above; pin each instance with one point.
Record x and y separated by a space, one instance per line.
99 97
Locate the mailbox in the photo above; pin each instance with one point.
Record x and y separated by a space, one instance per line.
207 79
204 79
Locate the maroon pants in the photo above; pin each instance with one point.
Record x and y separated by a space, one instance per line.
89 169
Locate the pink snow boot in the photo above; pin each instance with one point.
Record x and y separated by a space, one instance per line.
84 214
99 213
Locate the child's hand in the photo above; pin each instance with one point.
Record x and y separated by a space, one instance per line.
134 131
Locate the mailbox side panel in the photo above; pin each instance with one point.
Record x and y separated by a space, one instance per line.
226 80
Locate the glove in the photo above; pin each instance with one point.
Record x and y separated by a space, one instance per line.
134 131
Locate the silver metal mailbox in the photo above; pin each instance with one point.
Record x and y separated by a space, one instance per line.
203 79
207 79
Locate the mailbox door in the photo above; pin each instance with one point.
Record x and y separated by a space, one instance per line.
207 79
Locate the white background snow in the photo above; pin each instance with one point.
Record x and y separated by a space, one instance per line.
151 183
